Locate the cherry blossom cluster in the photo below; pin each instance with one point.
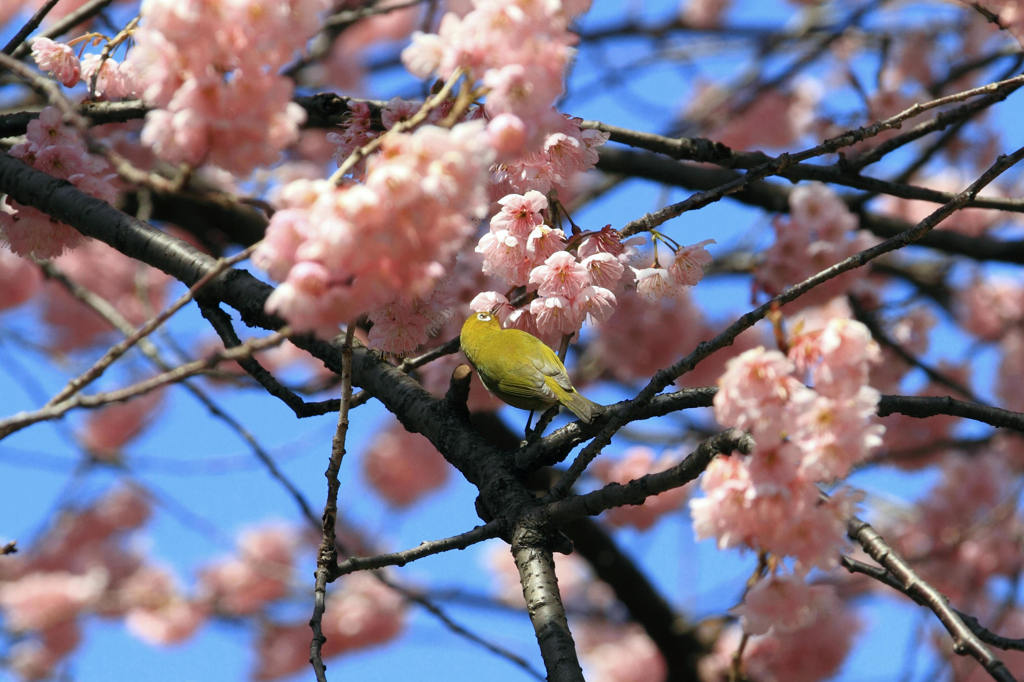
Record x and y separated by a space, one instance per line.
643 336
113 80
566 151
965 531
819 232
796 632
80 567
973 222
776 118
992 309
108 429
210 70
524 251
521 249
770 500
687 268
618 652
402 466
518 49
343 251
20 279
361 126
58 150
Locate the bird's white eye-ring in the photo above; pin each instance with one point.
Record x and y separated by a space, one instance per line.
483 317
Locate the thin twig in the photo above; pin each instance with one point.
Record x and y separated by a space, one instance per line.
906 580
119 349
361 153
460 541
327 557
66 23
31 25
103 308
175 375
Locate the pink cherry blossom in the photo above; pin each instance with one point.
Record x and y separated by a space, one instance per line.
361 612
56 149
260 574
368 243
518 50
42 599
596 303
640 337
169 623
838 357
754 392
282 649
520 213
783 604
20 279
560 275
819 210
108 430
567 151
777 118
690 262
491 301
518 240
989 307
542 242
606 240
556 315
654 283
704 13
505 256
403 467
807 654
819 232
404 325
959 534
835 434
603 269
1009 388
123 508
198 116
619 653
112 79
57 59
507 135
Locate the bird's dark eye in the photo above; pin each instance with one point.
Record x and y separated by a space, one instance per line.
483 317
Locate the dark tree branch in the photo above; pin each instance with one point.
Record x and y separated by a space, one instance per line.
923 407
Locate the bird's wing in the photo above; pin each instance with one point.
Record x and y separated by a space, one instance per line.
525 384
549 365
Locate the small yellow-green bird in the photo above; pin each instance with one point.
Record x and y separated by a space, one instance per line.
519 368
